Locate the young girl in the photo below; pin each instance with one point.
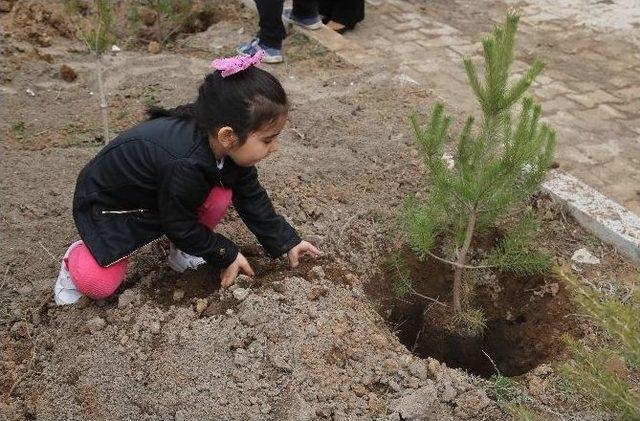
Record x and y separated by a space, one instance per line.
175 175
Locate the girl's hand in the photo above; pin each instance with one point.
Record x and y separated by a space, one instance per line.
228 276
303 248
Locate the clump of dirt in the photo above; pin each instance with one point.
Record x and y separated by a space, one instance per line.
38 22
526 318
143 23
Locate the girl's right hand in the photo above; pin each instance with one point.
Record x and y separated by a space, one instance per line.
228 275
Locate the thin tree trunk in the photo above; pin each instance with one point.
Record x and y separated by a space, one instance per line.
103 102
462 260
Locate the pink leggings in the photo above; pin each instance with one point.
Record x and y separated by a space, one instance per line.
99 282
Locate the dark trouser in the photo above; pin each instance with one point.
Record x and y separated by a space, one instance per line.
272 30
346 12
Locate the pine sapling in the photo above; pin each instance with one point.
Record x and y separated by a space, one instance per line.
97 40
498 163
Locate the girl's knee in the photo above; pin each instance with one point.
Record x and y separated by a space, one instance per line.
214 208
89 277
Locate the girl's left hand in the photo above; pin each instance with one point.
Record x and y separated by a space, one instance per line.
303 248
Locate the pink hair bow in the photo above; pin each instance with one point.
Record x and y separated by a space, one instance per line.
231 65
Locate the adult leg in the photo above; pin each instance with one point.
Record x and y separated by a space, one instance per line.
345 12
272 30
305 8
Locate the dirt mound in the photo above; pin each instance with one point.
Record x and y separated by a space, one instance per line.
38 22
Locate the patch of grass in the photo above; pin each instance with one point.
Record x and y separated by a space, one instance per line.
133 16
150 99
510 397
84 141
602 374
122 114
592 241
377 216
402 275
18 129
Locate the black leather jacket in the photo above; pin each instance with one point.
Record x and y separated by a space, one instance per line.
150 181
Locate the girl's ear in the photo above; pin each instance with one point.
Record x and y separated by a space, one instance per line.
227 137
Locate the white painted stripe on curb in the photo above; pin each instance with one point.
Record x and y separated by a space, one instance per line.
607 219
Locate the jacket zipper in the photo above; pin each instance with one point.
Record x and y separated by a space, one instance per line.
123 212
129 255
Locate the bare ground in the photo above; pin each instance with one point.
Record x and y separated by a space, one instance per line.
303 344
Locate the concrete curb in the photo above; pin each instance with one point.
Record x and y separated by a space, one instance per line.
608 220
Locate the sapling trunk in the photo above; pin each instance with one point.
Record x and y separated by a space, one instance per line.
103 101
462 260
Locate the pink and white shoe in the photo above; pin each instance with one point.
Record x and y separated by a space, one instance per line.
65 291
180 261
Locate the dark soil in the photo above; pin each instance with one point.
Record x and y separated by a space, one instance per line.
526 318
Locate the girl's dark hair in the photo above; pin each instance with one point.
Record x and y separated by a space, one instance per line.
245 101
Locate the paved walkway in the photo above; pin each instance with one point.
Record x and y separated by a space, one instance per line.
590 91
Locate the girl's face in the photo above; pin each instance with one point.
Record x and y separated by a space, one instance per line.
259 144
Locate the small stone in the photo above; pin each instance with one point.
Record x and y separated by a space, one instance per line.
393 385
20 330
449 393
418 369
229 311
154 47
350 279
415 404
543 370
154 327
127 297
584 256
278 287
240 293
240 358
391 366
412 383
180 416
178 294
243 280
67 73
96 324
147 15
378 340
471 403
316 273
359 390
201 305
265 408
316 240
317 292
25 289
324 412
536 386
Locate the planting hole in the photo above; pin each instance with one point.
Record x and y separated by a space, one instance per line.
526 318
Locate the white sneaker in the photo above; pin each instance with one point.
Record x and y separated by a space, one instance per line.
64 291
180 261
